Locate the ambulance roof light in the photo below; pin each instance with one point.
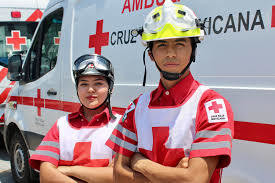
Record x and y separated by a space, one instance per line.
16 14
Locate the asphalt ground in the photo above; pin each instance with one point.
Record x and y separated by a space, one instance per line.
5 169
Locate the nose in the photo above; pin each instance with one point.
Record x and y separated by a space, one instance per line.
91 89
171 51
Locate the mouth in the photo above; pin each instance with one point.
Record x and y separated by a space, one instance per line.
91 97
171 64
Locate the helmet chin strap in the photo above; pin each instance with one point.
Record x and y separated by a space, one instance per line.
173 76
97 106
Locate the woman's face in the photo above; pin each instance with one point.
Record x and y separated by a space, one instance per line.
92 90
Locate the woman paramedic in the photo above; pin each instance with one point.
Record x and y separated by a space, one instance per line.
181 118
74 149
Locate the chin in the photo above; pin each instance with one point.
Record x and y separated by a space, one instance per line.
93 106
89 105
172 71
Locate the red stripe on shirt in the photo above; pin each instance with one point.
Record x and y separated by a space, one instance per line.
35 160
225 152
217 138
88 163
48 148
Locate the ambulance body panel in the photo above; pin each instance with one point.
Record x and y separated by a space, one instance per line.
235 59
18 21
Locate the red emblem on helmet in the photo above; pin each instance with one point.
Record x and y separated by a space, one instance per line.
91 66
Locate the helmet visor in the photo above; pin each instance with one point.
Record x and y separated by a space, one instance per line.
96 61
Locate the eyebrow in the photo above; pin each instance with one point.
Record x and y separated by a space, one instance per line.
161 41
99 79
177 40
182 39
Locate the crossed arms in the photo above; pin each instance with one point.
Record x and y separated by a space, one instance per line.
140 169
75 174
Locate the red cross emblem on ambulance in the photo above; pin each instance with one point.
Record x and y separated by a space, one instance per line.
16 40
57 39
39 102
99 39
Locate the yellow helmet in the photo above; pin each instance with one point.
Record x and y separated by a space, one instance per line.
171 21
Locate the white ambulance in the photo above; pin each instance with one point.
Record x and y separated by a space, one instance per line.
18 21
236 58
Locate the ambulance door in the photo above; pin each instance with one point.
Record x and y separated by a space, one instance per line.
39 91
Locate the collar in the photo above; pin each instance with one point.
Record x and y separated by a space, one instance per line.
177 93
98 120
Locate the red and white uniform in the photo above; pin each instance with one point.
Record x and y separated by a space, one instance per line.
74 141
166 125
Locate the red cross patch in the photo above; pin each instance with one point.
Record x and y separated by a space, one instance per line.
16 40
216 111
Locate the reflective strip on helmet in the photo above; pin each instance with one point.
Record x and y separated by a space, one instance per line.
170 32
180 13
157 14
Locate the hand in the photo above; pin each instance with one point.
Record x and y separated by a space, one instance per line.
65 170
111 164
78 180
136 161
184 163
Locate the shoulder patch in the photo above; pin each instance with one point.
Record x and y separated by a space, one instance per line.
216 111
130 108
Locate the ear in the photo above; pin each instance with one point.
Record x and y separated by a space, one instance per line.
150 54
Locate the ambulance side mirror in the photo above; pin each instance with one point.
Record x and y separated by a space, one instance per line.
15 68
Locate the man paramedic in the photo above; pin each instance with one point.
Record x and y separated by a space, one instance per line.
181 118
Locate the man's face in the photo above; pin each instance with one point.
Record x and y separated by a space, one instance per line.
172 55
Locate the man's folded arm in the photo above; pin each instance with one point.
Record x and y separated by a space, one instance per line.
199 170
124 174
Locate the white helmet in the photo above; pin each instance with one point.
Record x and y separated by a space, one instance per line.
171 21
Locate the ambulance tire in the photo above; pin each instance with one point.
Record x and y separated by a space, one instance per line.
19 159
2 145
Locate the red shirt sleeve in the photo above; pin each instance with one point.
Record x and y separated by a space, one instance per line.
123 140
48 150
214 128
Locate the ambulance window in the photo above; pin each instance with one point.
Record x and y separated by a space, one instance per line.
43 55
15 37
